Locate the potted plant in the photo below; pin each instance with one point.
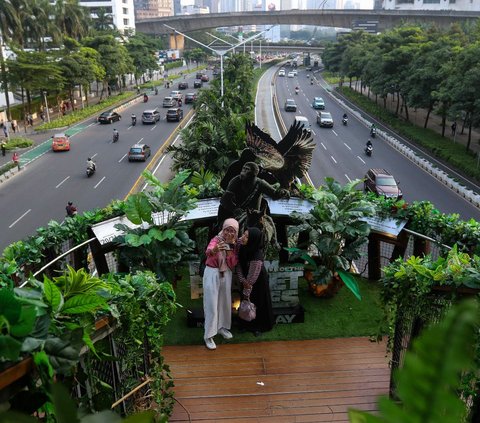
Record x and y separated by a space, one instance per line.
334 232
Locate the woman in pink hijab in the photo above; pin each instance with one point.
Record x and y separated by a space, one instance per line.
222 257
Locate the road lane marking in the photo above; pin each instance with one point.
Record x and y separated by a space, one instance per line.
346 145
99 182
334 132
359 158
94 123
62 181
21 217
154 126
313 132
122 157
333 158
140 140
323 145
346 176
93 155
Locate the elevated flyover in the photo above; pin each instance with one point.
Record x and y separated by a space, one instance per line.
328 18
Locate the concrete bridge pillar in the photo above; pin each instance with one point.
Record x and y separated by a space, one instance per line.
177 42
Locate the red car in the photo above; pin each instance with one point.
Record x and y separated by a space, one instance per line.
60 142
205 78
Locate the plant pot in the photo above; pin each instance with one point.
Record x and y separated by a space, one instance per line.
321 290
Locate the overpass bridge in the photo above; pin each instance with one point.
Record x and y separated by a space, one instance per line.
328 18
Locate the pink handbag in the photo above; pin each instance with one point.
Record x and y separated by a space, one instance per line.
247 310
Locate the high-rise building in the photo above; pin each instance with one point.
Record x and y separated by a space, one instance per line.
121 11
145 9
463 5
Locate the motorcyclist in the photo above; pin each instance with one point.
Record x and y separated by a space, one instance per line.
71 209
134 118
91 164
156 90
345 116
311 81
369 144
297 90
116 135
179 102
145 98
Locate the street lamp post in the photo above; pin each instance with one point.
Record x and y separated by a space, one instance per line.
46 106
221 53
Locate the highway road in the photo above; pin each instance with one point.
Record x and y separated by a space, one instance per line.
340 150
40 192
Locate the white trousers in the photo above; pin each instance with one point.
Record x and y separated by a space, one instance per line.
217 300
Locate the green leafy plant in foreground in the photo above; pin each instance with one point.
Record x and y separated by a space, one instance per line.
428 382
336 230
66 411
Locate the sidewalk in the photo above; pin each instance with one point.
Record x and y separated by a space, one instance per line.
418 116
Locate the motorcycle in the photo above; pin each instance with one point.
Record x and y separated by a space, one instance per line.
296 91
373 132
116 136
369 150
311 81
345 121
145 98
90 171
134 120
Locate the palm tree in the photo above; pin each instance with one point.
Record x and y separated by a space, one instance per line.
103 21
37 23
10 27
71 18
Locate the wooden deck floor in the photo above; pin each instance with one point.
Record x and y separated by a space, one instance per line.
281 382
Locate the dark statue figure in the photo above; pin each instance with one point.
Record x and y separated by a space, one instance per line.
246 182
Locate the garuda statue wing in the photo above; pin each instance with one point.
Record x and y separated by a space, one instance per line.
286 160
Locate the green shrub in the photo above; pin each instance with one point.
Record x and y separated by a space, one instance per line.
81 114
173 65
6 167
18 142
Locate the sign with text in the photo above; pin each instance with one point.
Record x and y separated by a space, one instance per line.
390 227
207 207
284 283
106 231
285 207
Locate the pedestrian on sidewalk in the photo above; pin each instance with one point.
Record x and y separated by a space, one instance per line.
42 116
14 125
16 159
30 119
5 130
3 146
454 128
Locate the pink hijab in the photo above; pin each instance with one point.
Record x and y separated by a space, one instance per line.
222 255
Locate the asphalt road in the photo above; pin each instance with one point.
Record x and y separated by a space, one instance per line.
40 192
340 150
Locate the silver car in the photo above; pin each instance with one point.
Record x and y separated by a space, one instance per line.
168 102
324 119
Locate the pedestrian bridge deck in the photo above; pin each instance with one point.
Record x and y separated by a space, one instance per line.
283 381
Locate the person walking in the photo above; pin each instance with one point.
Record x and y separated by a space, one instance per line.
5 130
16 159
4 148
14 125
222 257
253 276
454 128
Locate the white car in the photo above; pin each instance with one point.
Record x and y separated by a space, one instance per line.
304 121
324 119
281 72
295 72
291 75
176 95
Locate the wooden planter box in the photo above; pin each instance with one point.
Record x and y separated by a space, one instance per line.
11 374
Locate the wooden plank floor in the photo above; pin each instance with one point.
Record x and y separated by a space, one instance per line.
281 382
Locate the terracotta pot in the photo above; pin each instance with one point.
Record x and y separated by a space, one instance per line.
328 290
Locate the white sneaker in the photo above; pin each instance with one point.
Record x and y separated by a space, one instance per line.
210 343
225 333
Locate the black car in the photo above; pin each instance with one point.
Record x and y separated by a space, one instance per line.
190 98
174 114
108 117
197 83
182 85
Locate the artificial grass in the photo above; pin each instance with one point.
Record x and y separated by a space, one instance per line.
338 317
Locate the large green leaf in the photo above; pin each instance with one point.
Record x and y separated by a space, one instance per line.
83 304
14 417
10 307
9 348
105 416
52 294
138 209
350 282
62 354
65 407
26 322
145 417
